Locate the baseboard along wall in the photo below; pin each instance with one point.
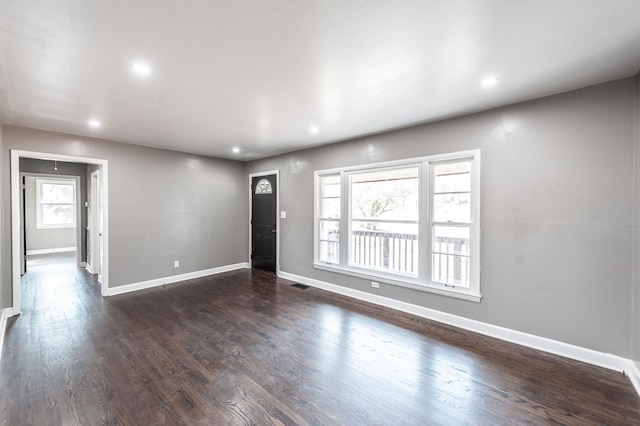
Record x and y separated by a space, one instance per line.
4 315
112 291
634 375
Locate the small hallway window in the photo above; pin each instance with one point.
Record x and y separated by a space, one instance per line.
56 203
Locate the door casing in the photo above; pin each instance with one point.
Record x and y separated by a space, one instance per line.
95 231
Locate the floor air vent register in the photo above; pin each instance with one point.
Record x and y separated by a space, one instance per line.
300 286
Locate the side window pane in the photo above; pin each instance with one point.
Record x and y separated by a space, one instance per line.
452 208
329 252
331 186
452 192
450 270
329 230
330 208
451 220
453 177
451 240
329 219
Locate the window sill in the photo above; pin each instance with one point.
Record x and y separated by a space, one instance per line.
55 226
429 288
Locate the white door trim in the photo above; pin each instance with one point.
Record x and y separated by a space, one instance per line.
15 215
251 176
93 221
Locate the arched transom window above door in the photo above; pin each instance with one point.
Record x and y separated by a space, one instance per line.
264 187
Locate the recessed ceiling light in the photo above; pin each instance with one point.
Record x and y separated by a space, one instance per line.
314 130
141 69
490 81
94 123
236 150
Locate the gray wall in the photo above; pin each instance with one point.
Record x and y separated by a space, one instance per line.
47 238
556 212
635 342
163 206
31 165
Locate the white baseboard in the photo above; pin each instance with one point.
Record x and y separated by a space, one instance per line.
53 250
174 278
89 269
601 359
633 371
5 314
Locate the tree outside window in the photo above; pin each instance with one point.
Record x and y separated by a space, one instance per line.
56 203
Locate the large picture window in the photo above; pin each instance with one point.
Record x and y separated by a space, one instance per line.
383 219
412 223
56 203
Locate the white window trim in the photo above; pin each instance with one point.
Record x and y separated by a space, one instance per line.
39 212
423 281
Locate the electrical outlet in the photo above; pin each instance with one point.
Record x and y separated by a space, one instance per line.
375 284
176 264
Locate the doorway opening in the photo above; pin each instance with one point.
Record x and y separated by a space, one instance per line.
51 214
61 204
264 238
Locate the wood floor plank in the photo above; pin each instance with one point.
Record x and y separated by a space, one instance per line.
245 347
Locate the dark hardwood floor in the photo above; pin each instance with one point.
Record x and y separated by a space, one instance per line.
247 348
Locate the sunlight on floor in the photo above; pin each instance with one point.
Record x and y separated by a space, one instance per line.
49 283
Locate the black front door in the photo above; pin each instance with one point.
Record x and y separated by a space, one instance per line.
263 222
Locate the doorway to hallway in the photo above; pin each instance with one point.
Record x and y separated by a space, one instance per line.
17 241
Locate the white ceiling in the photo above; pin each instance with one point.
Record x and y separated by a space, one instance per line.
257 74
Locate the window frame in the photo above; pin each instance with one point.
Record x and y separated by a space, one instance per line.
39 204
423 281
